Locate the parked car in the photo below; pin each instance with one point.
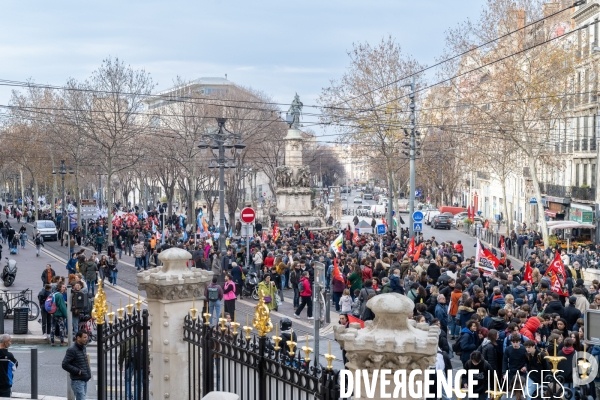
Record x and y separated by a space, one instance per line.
357 200
364 210
46 228
344 197
430 215
441 221
368 196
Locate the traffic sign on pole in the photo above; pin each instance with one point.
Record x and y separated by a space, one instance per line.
380 229
418 226
418 216
247 230
248 215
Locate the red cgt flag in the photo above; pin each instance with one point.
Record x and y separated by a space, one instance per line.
411 247
418 252
557 274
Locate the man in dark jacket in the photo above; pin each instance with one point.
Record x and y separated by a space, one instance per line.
72 264
468 341
515 359
433 271
47 274
441 312
7 362
76 364
555 306
482 371
395 282
536 363
571 313
214 295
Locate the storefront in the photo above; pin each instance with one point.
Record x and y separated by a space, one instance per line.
581 213
555 208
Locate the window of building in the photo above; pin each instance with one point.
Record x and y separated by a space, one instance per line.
577 175
585 174
593 172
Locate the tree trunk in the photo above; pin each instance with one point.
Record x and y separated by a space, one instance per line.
540 206
109 206
36 201
78 194
22 190
505 207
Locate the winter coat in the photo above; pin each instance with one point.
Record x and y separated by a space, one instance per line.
45 279
488 351
346 304
76 363
480 381
395 284
531 326
498 301
582 304
91 269
441 313
355 281
307 292
536 363
266 289
454 300
468 344
571 315
464 315
555 306
404 268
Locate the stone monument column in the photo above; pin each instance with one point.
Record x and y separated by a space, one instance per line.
169 293
390 341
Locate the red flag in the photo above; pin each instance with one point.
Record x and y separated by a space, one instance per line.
355 236
411 247
528 276
276 231
383 221
486 224
336 271
418 252
490 256
264 237
502 247
557 274
352 318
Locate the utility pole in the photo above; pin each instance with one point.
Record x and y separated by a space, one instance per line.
412 151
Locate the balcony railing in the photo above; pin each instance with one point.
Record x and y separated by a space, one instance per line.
580 193
555 190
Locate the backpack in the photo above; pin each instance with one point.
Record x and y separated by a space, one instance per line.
213 293
50 304
38 241
456 346
301 286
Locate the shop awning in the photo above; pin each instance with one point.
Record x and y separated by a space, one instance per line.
571 225
553 223
551 214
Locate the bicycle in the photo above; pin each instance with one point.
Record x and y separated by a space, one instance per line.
20 301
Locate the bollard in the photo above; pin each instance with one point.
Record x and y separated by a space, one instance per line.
34 373
1 316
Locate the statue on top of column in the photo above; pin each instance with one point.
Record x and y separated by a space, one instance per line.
293 117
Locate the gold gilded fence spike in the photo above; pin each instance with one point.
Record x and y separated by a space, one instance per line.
262 317
100 307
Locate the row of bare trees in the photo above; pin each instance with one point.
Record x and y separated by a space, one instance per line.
103 128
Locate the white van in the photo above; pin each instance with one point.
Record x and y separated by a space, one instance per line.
46 228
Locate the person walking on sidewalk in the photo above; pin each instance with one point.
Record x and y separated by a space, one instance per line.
39 242
138 253
46 318
214 294
47 275
76 364
8 363
305 296
60 316
23 233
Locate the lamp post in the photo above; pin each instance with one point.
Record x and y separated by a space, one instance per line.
64 221
219 141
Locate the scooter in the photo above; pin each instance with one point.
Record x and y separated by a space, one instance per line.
9 273
250 286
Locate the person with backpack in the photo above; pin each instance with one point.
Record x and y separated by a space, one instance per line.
365 292
76 364
58 309
305 296
214 294
39 242
229 295
46 318
467 342
8 363
130 359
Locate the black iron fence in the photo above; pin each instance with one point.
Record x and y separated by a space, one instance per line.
253 367
123 365
582 193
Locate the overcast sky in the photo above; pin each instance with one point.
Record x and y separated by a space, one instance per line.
278 47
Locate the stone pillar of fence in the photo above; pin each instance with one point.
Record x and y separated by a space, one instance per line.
169 293
390 341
